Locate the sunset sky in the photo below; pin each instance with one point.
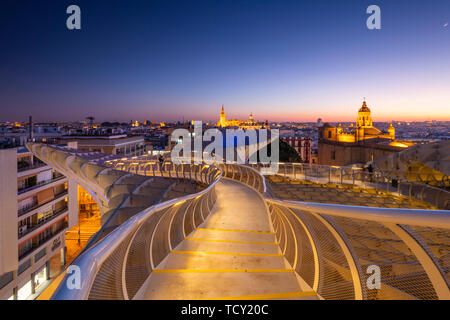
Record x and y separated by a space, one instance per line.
281 60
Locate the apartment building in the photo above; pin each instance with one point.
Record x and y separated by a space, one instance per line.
37 206
113 144
302 145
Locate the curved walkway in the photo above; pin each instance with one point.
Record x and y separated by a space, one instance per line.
233 255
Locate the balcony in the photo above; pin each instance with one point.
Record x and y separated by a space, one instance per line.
40 184
36 205
44 221
24 166
42 241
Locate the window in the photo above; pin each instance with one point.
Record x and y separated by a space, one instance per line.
48 213
25 222
329 134
5 279
40 278
39 255
24 266
27 203
24 292
27 183
40 217
333 155
24 248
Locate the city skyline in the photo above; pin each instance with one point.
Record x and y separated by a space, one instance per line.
241 116
283 61
226 150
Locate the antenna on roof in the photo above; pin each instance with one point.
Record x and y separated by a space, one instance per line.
31 134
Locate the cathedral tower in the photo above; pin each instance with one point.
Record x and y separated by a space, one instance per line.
222 118
364 118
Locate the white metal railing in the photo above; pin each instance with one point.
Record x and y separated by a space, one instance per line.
332 247
434 196
336 249
436 179
338 246
117 265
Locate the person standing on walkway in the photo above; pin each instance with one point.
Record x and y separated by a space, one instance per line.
370 169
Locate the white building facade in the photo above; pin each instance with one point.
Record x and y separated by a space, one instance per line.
37 206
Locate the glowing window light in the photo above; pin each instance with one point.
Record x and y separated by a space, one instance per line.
24 292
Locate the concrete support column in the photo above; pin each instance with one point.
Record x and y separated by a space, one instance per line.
33 284
8 211
73 203
63 256
47 270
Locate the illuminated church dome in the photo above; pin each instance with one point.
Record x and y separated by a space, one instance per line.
364 117
364 107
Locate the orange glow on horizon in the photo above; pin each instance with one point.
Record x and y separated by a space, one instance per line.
348 116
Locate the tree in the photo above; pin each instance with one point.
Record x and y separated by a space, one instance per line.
287 153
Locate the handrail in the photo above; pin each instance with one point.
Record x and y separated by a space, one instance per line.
378 172
437 197
40 184
40 223
343 242
315 225
26 209
429 178
31 167
336 245
94 257
413 217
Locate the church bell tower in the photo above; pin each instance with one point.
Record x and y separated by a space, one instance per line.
222 118
364 117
